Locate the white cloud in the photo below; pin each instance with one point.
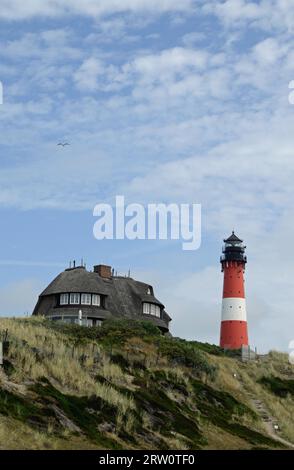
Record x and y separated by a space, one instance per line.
270 51
264 14
190 39
166 67
87 74
50 44
169 62
173 122
19 10
233 10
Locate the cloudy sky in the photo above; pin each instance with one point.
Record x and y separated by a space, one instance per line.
162 101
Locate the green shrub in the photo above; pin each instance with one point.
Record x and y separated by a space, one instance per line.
185 353
117 331
279 387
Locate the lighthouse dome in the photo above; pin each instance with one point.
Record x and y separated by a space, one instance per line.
234 250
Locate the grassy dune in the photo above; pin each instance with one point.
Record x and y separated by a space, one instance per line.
125 386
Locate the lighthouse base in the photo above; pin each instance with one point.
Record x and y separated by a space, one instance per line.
233 334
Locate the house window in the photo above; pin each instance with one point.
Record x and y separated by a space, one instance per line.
151 309
146 308
96 299
86 299
63 299
74 298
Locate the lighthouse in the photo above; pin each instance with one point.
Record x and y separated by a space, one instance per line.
233 334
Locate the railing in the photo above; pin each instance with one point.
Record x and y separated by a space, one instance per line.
233 257
226 248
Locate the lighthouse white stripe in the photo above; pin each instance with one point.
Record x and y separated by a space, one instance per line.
234 308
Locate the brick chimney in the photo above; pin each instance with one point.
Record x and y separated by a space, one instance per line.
103 270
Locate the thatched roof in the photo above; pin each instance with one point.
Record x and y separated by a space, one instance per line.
123 295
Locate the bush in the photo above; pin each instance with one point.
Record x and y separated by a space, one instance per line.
184 353
111 331
278 386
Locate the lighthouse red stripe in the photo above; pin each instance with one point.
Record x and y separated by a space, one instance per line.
233 334
233 280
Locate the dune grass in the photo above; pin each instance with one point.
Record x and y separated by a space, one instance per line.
126 386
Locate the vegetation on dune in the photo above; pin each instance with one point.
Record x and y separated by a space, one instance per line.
280 387
122 385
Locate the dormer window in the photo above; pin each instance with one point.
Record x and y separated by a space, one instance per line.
96 300
74 298
149 291
86 299
151 309
63 299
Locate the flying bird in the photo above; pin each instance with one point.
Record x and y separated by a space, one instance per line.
63 144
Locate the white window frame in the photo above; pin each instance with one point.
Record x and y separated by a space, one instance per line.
157 311
151 309
74 298
86 299
62 299
98 297
146 308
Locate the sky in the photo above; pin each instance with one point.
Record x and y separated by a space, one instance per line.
165 102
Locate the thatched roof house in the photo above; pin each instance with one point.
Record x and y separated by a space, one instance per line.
77 295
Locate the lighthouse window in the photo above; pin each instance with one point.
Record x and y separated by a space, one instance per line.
86 299
96 300
63 299
74 298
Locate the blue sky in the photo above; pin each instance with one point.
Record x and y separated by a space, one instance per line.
161 101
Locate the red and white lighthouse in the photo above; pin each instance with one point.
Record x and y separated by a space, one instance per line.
234 320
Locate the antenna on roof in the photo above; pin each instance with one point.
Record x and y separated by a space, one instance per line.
74 263
82 262
112 272
129 273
